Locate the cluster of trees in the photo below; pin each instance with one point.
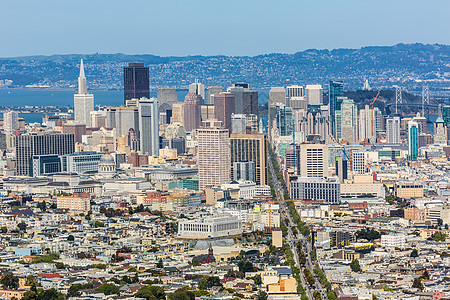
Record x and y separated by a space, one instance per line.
354 265
368 234
437 236
209 282
308 276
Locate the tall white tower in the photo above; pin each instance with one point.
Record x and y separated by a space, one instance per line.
83 101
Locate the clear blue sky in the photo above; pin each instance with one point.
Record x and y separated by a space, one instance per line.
209 27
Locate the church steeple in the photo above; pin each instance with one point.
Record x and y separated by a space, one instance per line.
82 88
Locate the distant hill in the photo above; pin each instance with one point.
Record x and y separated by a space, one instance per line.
408 65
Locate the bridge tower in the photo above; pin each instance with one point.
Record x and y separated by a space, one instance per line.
398 97
425 98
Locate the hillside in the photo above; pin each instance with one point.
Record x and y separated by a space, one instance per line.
403 64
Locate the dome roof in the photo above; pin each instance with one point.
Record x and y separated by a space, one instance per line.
106 158
439 120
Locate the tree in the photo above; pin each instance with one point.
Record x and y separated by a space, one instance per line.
414 253
22 226
182 294
108 289
71 238
316 295
31 280
203 284
50 294
417 284
425 275
261 295
42 206
9 281
99 224
4 229
160 264
74 289
332 296
354 265
151 292
213 281
245 266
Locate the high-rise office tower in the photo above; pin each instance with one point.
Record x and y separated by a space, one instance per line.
10 121
341 168
314 94
336 90
149 126
246 100
213 157
177 113
313 160
136 81
358 162
122 118
78 130
198 89
83 101
413 140
348 121
224 108
393 130
446 114
244 171
98 118
167 95
294 91
277 95
28 145
192 111
237 124
212 90
284 120
440 132
366 127
250 148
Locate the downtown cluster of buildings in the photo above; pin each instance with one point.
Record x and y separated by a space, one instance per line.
170 192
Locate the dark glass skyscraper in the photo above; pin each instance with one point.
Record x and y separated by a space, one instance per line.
136 81
336 90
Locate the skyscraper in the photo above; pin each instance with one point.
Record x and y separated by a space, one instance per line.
149 126
413 140
440 132
366 126
277 95
250 148
29 145
246 100
446 114
212 90
224 108
122 118
83 101
167 95
10 121
313 160
237 124
198 89
393 130
192 111
336 90
348 120
213 157
284 120
341 168
136 81
314 94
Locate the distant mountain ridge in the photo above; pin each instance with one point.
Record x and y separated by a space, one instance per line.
408 65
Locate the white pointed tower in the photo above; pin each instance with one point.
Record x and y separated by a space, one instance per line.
83 101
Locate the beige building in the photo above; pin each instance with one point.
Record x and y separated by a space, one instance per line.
285 286
213 157
362 185
177 113
313 160
408 190
78 202
277 238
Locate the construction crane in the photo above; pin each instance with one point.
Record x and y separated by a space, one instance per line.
373 115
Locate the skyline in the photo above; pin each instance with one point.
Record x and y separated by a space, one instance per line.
247 29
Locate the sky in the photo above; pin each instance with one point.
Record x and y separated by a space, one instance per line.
215 27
